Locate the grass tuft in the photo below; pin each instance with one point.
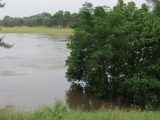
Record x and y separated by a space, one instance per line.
60 111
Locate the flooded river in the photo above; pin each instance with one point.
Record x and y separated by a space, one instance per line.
32 74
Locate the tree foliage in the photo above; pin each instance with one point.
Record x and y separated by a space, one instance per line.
3 44
59 19
116 52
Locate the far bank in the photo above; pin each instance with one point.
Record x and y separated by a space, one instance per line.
38 30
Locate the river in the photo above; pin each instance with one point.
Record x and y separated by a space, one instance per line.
32 74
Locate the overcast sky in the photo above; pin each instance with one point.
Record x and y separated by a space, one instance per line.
21 8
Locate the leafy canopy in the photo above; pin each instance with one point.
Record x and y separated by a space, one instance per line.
115 52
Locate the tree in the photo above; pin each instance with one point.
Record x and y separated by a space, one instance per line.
59 19
2 4
66 18
8 21
116 53
5 45
74 20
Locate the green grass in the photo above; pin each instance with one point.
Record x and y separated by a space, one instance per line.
61 112
38 30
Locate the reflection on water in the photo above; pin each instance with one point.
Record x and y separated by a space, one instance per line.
81 100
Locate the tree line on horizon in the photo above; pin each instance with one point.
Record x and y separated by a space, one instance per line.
60 19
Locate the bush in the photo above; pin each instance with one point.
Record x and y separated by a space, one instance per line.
109 47
143 91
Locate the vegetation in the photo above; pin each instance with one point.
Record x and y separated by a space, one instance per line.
38 30
3 44
155 6
61 112
116 53
60 19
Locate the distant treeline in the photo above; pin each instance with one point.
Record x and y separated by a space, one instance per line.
59 19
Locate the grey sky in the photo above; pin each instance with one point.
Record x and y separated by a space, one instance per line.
20 8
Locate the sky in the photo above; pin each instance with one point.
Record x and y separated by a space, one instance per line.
21 8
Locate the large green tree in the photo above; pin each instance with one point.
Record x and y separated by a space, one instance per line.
116 52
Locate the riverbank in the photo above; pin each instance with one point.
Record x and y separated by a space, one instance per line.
61 112
48 114
38 30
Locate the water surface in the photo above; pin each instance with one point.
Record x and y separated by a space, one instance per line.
32 74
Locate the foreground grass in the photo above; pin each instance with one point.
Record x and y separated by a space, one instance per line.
37 30
61 112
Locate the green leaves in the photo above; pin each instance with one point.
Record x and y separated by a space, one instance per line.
144 91
110 47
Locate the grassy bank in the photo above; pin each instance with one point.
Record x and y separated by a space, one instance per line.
49 114
37 30
61 112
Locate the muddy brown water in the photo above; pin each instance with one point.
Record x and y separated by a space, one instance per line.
32 74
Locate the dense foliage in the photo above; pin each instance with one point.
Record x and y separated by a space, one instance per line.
59 19
115 52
